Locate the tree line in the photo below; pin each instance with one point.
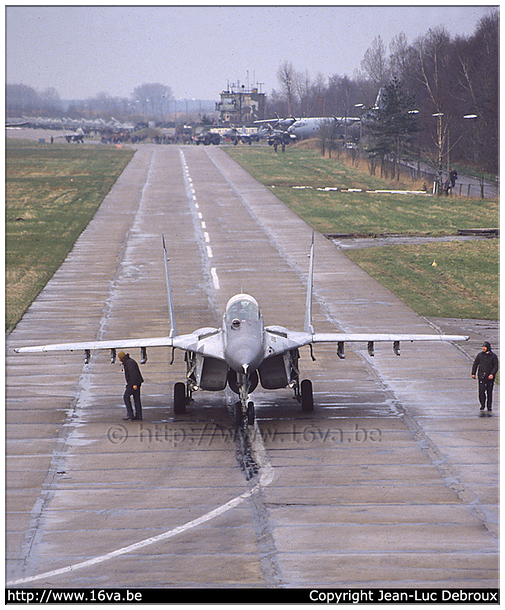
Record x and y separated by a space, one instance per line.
147 100
442 78
449 83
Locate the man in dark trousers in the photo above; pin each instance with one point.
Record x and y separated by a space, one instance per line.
134 380
485 366
453 176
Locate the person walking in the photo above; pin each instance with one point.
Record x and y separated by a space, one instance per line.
485 367
134 380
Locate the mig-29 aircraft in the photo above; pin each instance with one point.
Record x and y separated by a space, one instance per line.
243 352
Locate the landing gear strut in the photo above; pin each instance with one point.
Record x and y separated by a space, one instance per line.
245 408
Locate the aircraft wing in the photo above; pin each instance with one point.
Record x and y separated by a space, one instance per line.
205 341
279 340
96 345
352 337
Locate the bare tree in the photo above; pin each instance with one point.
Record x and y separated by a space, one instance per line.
400 52
375 63
329 137
152 98
287 77
303 88
21 100
434 74
480 92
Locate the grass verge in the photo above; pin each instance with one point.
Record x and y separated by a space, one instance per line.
52 192
449 279
464 282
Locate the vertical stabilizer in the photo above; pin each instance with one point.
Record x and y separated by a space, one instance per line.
307 327
173 329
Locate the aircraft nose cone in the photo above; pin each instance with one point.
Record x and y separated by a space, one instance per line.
243 360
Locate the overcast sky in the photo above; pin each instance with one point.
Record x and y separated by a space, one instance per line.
197 50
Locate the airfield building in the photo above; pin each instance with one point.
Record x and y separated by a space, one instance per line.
241 106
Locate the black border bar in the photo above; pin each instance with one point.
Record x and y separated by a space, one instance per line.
315 595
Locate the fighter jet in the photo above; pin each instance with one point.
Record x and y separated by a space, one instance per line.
243 352
238 135
77 136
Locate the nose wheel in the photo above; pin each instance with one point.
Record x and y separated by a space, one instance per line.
245 415
250 413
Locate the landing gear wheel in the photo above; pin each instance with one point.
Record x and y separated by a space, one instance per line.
238 414
307 396
179 398
250 413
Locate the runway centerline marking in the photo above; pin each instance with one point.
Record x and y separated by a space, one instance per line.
265 478
215 278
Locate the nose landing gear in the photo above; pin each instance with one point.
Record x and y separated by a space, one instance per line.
245 408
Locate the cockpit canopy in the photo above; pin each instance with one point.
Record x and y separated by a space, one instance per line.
242 307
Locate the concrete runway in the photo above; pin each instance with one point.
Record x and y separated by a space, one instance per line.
392 481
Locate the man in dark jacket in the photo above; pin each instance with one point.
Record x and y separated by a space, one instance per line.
485 367
133 382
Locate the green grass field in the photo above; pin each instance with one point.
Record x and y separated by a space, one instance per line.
464 282
52 192
441 280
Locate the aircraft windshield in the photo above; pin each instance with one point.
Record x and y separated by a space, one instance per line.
242 309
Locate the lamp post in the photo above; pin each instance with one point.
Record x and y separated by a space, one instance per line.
442 135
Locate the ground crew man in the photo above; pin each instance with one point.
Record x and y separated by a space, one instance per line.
485 367
134 380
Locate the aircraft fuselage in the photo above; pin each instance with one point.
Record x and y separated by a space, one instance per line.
244 339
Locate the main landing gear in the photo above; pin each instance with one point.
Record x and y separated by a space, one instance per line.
306 396
180 398
244 410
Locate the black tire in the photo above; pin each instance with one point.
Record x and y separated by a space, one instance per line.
179 398
250 413
238 414
307 396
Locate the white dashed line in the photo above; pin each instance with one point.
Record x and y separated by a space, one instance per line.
215 278
206 236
